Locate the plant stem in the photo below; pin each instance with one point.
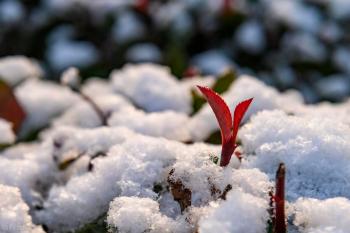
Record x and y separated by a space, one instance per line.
97 109
280 222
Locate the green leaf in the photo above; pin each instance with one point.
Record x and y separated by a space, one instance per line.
221 85
224 81
214 138
98 226
197 101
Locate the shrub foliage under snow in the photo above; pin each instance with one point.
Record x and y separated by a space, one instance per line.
149 168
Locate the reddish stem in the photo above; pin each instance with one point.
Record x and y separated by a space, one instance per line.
280 220
97 109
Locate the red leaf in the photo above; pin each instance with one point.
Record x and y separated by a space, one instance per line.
223 115
142 5
240 110
9 107
221 111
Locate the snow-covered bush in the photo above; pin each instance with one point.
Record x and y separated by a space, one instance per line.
149 169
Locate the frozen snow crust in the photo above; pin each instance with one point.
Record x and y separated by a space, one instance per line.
149 168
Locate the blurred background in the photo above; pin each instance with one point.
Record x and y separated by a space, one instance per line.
300 44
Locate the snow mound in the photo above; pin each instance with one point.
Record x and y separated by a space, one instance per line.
133 168
82 114
168 124
14 216
42 101
6 132
19 173
134 215
15 69
152 87
315 151
241 212
322 216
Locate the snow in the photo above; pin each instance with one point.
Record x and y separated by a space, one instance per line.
241 212
341 58
336 87
131 168
314 150
14 216
322 216
152 88
108 103
65 53
304 47
339 9
250 37
127 27
124 173
33 97
15 69
96 7
11 11
144 52
168 124
71 78
132 214
6 132
212 62
21 174
295 14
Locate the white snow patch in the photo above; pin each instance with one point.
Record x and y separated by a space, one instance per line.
322 216
241 212
15 69
152 87
314 150
6 132
14 216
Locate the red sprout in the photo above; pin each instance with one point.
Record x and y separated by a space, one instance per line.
280 220
228 127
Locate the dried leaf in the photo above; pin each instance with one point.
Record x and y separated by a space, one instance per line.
10 109
180 193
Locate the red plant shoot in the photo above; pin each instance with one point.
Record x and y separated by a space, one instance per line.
228 126
280 222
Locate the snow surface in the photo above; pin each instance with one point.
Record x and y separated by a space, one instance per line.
240 213
6 132
152 88
42 100
323 216
314 150
14 214
70 77
132 214
78 171
15 69
168 124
